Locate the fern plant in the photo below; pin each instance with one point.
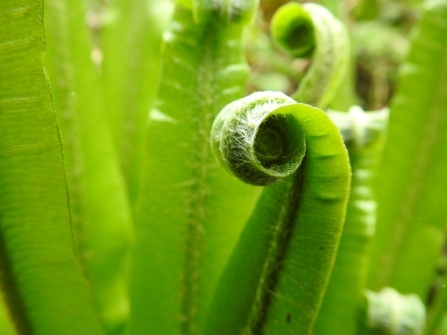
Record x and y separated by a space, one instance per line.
146 188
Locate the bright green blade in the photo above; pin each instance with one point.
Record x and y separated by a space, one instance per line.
41 277
363 133
98 200
412 194
130 40
277 275
189 212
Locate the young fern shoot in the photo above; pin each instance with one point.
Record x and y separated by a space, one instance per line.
310 30
282 262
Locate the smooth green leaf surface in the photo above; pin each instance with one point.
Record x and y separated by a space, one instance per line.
279 270
41 277
98 200
189 212
412 197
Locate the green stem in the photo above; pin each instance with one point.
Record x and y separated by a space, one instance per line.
284 257
328 41
185 225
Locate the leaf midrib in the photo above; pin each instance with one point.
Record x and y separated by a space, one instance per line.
272 264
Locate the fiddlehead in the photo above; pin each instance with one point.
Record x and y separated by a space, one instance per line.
293 30
282 262
255 144
311 30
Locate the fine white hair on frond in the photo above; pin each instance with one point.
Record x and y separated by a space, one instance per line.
248 139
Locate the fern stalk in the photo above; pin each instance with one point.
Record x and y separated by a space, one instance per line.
186 224
284 257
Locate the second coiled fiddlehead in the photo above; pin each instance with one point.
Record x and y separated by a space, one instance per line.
282 262
306 30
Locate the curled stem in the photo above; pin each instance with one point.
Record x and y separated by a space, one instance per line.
310 30
283 259
363 133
